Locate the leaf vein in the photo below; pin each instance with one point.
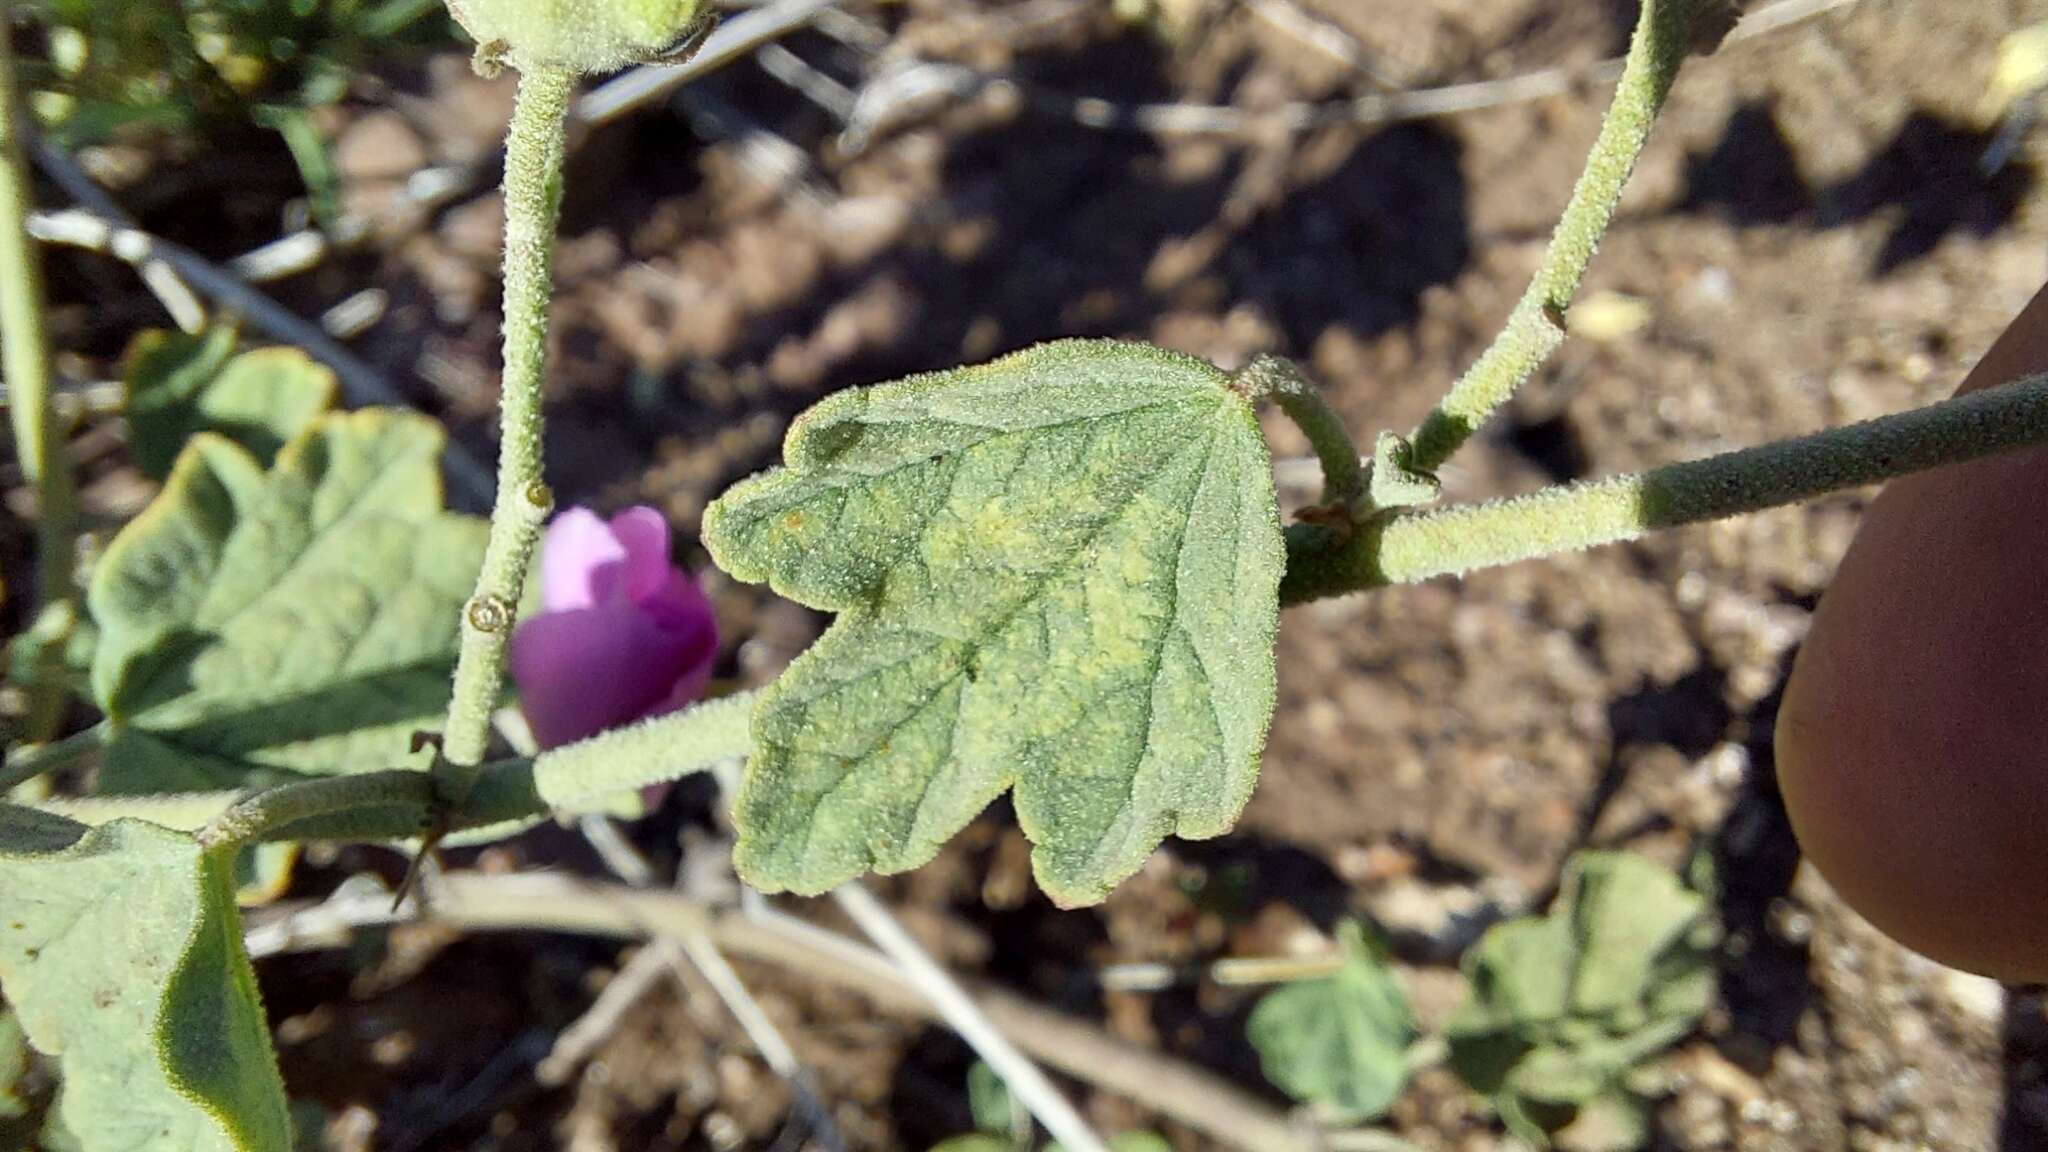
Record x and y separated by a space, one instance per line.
1150 681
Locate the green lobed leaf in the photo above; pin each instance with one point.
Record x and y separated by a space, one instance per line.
1056 573
256 628
121 950
1340 1042
1521 975
1614 1122
1563 1076
179 386
1627 916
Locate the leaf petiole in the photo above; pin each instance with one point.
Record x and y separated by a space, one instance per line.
1417 546
1281 381
26 763
398 805
272 809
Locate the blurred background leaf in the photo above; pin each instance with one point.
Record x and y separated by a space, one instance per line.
179 386
996 1110
1339 1043
120 69
1564 1006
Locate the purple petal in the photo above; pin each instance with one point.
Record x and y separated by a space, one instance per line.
579 558
687 691
584 671
680 605
643 534
689 688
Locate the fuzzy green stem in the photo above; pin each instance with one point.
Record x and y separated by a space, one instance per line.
268 811
1450 541
1281 381
1663 38
398 805
533 194
38 440
575 776
27 763
574 779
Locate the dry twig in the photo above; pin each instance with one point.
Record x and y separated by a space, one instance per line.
674 955
362 384
1176 1090
1038 1094
918 88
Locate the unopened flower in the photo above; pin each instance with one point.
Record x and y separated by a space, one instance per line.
584 35
622 634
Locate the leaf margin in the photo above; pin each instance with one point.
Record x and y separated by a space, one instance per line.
212 901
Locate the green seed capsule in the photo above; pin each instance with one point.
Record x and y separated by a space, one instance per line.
583 35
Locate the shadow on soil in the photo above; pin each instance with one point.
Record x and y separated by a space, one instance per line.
1928 182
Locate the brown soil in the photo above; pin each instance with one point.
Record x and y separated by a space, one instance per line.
1813 240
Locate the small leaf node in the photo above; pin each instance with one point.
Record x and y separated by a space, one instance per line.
1395 483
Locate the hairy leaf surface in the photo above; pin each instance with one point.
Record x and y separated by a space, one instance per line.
121 951
1057 572
257 627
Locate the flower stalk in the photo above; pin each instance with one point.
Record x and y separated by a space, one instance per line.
533 193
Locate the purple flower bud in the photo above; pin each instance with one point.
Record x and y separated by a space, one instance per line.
622 634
